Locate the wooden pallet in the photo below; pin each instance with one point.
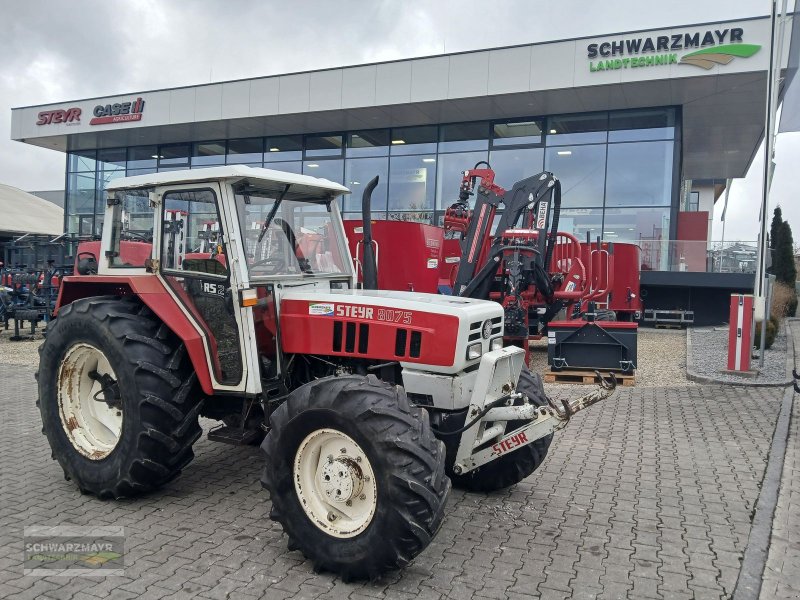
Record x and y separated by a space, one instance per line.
586 377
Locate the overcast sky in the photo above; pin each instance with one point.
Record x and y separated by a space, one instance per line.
54 51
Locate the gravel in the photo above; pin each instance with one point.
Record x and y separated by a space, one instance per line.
710 357
24 352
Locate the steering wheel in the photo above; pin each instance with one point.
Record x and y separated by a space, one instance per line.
276 263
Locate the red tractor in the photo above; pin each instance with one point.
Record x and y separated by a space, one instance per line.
229 293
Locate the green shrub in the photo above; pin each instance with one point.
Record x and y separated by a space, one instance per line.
772 331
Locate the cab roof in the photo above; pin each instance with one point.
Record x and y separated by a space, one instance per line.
254 176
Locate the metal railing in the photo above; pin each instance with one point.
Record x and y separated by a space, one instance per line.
698 256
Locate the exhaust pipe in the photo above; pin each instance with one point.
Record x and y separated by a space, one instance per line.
369 266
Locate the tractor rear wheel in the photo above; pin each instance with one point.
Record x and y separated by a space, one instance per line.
355 475
115 396
510 468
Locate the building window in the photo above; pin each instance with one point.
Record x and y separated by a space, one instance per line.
324 145
636 224
639 174
583 223
460 137
414 140
693 202
142 157
292 166
511 166
284 147
208 153
81 162
358 173
174 156
637 125
412 183
111 159
368 143
246 151
513 133
581 170
577 129
448 177
326 169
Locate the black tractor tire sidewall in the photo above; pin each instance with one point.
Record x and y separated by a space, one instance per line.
121 472
375 550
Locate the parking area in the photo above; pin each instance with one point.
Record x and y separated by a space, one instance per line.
647 495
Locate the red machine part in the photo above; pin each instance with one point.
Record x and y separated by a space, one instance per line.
156 297
369 331
408 254
618 290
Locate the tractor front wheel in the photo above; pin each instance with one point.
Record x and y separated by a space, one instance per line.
355 475
115 396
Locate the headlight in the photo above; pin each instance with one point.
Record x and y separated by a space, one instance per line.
496 344
474 351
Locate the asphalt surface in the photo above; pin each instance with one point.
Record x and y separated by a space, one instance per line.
648 495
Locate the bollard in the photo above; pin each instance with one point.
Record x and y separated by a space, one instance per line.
739 342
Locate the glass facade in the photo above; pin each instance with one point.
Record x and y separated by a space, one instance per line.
618 169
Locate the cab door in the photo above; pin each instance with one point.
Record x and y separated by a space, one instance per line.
194 265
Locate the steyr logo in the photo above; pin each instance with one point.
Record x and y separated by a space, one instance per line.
71 116
118 113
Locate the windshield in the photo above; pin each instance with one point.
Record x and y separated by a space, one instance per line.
301 237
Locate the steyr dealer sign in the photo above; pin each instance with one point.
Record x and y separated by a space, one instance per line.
714 47
120 112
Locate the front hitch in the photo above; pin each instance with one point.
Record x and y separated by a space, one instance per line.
486 437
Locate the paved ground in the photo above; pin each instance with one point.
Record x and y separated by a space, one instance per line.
782 573
648 495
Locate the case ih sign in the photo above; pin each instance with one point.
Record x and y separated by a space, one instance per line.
118 113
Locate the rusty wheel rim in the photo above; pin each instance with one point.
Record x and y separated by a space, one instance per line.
91 418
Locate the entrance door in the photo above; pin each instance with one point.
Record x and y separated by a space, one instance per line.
194 265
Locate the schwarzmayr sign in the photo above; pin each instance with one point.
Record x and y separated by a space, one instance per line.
717 47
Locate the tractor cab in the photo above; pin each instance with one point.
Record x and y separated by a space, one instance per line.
222 241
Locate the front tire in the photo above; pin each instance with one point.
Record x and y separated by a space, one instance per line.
115 396
355 475
510 468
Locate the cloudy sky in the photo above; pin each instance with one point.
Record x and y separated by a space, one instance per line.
54 51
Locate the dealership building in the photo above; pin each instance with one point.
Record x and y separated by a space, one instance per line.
643 128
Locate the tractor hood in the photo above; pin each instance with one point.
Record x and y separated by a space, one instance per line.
421 331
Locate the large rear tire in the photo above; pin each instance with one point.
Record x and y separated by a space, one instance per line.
116 397
511 468
355 475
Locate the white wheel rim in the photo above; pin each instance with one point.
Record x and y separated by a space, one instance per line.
92 426
335 483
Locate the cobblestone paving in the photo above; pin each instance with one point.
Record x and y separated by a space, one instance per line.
648 495
782 572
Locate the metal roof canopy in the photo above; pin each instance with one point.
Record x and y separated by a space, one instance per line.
25 213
